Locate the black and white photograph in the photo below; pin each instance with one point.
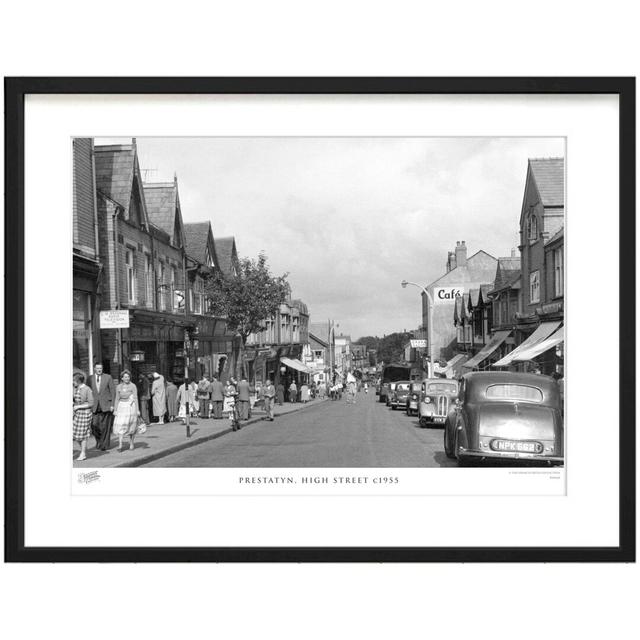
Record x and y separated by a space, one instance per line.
318 302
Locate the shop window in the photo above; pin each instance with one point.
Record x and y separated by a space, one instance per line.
558 272
534 287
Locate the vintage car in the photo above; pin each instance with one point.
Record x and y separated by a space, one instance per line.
413 399
437 397
505 416
400 394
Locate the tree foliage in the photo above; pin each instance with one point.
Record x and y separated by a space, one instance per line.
248 298
389 348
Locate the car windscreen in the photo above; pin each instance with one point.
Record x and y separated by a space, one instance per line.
520 392
402 387
442 387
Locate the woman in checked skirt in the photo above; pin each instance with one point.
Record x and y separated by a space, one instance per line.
126 410
82 413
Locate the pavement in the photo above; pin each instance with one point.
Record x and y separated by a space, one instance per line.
169 438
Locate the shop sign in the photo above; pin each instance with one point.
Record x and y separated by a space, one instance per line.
447 295
418 344
114 319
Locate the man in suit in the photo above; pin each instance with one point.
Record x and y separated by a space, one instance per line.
244 393
104 395
217 397
268 393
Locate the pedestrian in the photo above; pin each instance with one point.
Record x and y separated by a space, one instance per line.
127 410
268 393
244 395
304 394
144 394
172 400
159 397
103 390
82 413
366 387
217 397
230 394
280 393
204 394
293 391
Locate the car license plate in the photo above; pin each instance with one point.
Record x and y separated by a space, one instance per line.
439 419
516 445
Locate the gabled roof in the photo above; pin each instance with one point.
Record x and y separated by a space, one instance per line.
320 330
227 253
163 208
480 267
198 236
314 338
559 234
548 174
460 309
507 271
474 298
116 167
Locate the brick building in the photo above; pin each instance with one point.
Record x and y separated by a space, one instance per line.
86 263
217 349
141 240
538 327
276 352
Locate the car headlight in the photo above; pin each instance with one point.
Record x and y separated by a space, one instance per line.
427 400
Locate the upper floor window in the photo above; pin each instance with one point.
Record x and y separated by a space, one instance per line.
161 286
148 279
131 276
558 272
534 287
532 228
209 259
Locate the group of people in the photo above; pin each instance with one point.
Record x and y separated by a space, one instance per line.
101 407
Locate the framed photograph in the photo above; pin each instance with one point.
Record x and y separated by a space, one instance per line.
320 319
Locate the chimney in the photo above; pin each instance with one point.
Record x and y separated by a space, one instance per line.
461 254
451 261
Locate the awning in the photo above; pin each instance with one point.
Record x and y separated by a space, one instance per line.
498 338
295 364
541 333
450 364
553 341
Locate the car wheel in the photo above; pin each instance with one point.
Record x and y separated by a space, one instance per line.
393 406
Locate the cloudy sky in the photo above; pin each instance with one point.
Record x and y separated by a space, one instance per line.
350 218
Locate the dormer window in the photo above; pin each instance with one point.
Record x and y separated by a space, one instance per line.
532 228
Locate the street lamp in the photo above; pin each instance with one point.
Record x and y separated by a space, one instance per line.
404 284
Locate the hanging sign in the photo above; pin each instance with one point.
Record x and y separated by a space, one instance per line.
114 319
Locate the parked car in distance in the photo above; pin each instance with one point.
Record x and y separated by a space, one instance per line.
386 391
413 398
506 416
400 394
438 394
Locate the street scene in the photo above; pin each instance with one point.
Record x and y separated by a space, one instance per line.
338 302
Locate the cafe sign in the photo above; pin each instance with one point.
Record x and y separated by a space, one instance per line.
447 295
114 319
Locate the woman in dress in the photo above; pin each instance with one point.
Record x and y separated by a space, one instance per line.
172 400
304 394
126 410
280 393
82 413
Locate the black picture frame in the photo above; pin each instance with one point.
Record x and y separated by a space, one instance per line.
15 91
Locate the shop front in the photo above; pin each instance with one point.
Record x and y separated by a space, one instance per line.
86 333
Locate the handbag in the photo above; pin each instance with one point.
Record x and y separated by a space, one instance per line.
142 426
